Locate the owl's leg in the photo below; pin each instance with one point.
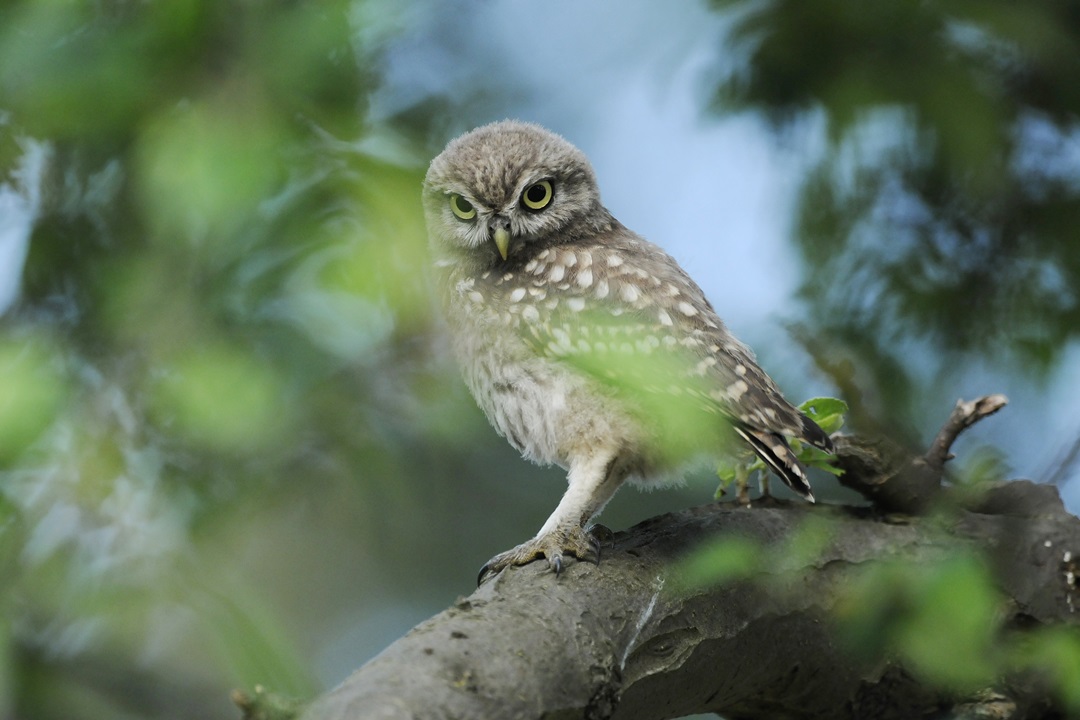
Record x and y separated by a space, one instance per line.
742 485
592 482
763 483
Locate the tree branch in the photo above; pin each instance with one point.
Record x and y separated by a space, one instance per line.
622 639
617 640
892 479
963 416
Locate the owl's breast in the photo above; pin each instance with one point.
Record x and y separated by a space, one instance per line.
548 410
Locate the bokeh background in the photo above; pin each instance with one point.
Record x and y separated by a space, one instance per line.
233 448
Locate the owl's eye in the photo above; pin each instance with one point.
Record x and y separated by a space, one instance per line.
537 196
462 207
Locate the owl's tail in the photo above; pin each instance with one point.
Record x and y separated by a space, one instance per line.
777 454
814 435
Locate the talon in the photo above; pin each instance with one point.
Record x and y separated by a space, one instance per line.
594 544
602 533
575 542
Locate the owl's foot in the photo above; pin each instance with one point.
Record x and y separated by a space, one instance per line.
576 542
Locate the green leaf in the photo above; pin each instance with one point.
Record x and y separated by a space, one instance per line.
811 456
949 636
725 560
32 393
1056 652
824 406
224 398
727 471
806 544
940 617
827 412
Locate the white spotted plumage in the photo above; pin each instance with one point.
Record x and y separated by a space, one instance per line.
547 326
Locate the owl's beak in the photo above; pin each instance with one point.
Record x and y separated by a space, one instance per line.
502 240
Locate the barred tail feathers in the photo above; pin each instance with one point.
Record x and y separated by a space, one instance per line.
814 435
774 450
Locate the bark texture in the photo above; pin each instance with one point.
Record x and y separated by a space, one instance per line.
621 640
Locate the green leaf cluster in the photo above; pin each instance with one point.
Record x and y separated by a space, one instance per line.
940 618
218 301
940 218
943 620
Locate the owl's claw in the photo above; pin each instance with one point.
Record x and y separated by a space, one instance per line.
599 536
573 542
602 534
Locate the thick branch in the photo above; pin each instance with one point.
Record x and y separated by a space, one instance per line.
616 640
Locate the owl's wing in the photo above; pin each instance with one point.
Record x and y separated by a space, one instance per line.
622 310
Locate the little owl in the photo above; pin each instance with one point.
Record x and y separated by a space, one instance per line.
584 344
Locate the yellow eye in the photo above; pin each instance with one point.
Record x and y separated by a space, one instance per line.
537 196
462 207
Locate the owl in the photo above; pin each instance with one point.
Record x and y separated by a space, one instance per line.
584 344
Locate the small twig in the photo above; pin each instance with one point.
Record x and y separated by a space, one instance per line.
964 415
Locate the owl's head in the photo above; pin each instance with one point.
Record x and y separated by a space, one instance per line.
502 191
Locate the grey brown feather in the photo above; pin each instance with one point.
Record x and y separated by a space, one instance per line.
568 341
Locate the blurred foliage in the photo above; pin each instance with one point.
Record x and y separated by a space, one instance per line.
1054 652
733 558
220 300
724 560
946 202
265 705
941 618
635 364
33 390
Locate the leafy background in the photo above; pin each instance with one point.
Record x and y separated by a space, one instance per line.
232 448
